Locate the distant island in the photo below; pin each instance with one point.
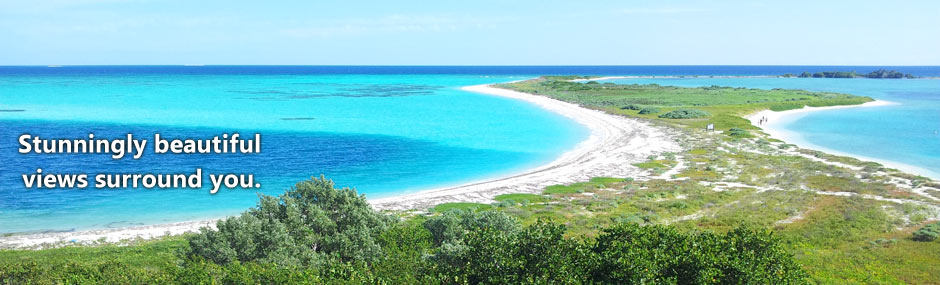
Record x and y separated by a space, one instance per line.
878 74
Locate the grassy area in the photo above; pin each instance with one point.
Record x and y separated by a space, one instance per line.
148 261
520 198
837 238
724 106
440 208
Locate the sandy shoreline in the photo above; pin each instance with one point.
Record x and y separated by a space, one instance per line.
777 120
54 239
614 143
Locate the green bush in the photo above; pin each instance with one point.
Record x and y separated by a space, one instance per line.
685 114
929 232
631 107
738 132
307 225
648 110
493 248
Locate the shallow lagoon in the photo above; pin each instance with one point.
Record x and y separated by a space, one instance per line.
907 133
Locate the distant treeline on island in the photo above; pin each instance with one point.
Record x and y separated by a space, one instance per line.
881 73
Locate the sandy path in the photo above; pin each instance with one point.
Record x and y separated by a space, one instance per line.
614 144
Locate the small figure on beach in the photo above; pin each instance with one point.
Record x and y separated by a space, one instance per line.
761 121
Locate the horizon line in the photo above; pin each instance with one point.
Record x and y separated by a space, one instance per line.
460 65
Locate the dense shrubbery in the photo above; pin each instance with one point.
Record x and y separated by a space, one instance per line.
632 254
685 114
316 234
929 232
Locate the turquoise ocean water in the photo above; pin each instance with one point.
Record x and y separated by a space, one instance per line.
382 130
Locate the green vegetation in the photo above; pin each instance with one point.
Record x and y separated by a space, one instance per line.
647 110
444 207
881 73
685 114
314 233
929 232
829 210
693 107
632 107
307 225
738 132
521 198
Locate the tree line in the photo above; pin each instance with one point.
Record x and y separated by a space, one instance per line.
878 74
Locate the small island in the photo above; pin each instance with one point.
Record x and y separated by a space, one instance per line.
877 74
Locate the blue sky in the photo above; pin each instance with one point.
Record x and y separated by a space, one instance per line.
469 32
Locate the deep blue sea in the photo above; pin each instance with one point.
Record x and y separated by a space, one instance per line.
384 130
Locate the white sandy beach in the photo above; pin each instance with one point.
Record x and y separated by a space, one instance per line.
777 120
614 143
42 240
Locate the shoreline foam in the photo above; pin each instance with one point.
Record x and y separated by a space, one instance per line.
777 120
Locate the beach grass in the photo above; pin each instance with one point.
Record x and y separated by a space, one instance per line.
440 208
521 197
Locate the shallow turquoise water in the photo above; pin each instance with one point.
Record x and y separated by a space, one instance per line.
382 134
908 133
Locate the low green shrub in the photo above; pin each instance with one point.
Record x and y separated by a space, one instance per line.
685 114
738 132
930 232
648 110
631 107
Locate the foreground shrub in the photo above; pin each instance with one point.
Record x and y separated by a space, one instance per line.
685 114
491 247
306 225
930 232
633 254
